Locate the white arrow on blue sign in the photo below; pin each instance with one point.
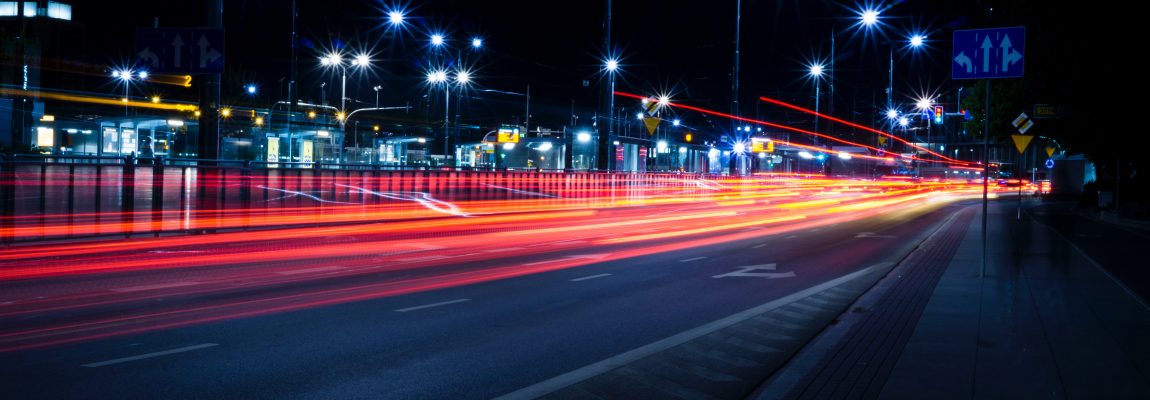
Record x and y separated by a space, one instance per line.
181 50
989 53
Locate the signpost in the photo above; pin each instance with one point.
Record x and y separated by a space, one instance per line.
987 54
181 50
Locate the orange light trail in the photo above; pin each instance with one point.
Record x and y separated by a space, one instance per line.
97 100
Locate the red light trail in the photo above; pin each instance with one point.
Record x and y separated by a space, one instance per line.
790 128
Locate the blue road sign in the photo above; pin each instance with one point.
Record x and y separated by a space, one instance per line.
181 50
1049 163
988 53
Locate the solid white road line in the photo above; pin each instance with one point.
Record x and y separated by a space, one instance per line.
589 277
442 303
758 246
692 259
149 355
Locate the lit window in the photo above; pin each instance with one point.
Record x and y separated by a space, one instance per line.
59 10
8 8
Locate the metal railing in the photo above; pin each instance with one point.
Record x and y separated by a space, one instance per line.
59 197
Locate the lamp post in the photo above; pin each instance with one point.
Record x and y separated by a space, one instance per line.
914 42
924 105
361 60
816 73
126 75
607 143
439 77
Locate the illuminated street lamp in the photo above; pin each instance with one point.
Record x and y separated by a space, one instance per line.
335 60
126 76
914 43
395 17
868 17
611 65
816 73
438 77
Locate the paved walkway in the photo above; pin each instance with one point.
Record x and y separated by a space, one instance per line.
1046 321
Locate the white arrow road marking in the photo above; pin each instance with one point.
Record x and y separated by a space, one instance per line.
746 272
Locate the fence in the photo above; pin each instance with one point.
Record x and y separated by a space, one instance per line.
56 197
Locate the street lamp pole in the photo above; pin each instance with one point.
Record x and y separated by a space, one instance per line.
816 73
446 117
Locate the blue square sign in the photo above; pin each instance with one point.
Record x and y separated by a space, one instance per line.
988 53
181 50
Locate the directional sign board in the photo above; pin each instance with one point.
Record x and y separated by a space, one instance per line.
988 53
181 50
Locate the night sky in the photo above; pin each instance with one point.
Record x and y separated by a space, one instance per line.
681 48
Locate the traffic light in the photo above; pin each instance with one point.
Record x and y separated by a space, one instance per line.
688 137
938 114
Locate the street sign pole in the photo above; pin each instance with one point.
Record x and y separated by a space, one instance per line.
986 54
985 177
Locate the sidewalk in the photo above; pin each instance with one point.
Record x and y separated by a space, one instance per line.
1045 322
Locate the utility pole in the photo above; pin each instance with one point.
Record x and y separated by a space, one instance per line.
209 147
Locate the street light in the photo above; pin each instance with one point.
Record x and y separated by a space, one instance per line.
924 104
440 77
126 76
868 17
914 42
395 17
606 143
816 73
361 60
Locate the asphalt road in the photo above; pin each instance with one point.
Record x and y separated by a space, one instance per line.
340 333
